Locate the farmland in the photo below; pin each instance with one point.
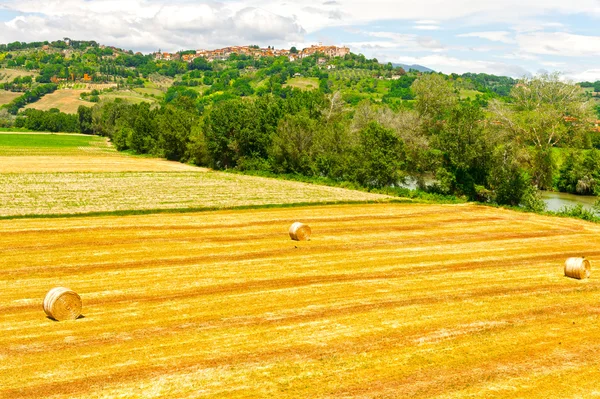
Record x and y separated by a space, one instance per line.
7 75
129 95
7 96
64 174
51 153
303 83
386 301
66 100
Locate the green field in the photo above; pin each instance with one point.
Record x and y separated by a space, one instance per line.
127 95
303 83
49 144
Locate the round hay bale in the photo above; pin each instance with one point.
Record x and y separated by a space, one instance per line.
300 232
579 268
62 304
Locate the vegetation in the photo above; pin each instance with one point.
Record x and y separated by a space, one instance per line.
481 137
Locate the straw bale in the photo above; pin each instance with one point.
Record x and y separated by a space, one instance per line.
579 268
300 232
62 303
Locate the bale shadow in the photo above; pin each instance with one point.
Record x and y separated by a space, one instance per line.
53 319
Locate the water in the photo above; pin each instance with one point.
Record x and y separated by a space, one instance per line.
555 201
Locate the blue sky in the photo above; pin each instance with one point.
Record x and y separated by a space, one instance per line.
506 37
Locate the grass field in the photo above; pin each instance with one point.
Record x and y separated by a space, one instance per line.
303 83
41 152
66 100
149 91
386 301
127 95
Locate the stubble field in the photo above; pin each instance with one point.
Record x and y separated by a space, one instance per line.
66 100
386 301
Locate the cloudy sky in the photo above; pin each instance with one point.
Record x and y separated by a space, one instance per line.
505 37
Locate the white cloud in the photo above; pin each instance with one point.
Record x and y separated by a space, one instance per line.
145 25
553 64
426 27
399 42
449 64
559 43
589 75
494 36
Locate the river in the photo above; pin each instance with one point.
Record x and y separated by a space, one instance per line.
555 201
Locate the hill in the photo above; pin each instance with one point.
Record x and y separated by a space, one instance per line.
416 67
323 114
386 300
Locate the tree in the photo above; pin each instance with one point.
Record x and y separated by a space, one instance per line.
543 113
85 119
465 149
379 157
175 123
293 144
434 96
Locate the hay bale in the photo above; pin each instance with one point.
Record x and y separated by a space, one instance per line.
62 304
579 268
300 232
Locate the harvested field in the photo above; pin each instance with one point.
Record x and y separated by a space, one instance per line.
66 100
8 96
66 193
385 301
8 75
90 163
64 174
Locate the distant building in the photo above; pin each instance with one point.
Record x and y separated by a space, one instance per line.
255 52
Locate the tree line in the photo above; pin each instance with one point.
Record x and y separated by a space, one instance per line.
499 154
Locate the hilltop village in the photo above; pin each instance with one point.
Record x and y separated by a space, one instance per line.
255 52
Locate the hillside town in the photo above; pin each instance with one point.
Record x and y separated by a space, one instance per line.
256 52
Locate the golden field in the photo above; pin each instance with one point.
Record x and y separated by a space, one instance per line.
385 301
66 100
8 96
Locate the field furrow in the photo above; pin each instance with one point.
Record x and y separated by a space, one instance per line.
385 301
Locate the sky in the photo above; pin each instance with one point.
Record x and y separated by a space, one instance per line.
502 37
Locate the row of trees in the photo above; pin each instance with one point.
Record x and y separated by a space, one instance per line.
48 121
29 97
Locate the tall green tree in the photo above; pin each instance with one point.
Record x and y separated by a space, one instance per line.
379 157
545 112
